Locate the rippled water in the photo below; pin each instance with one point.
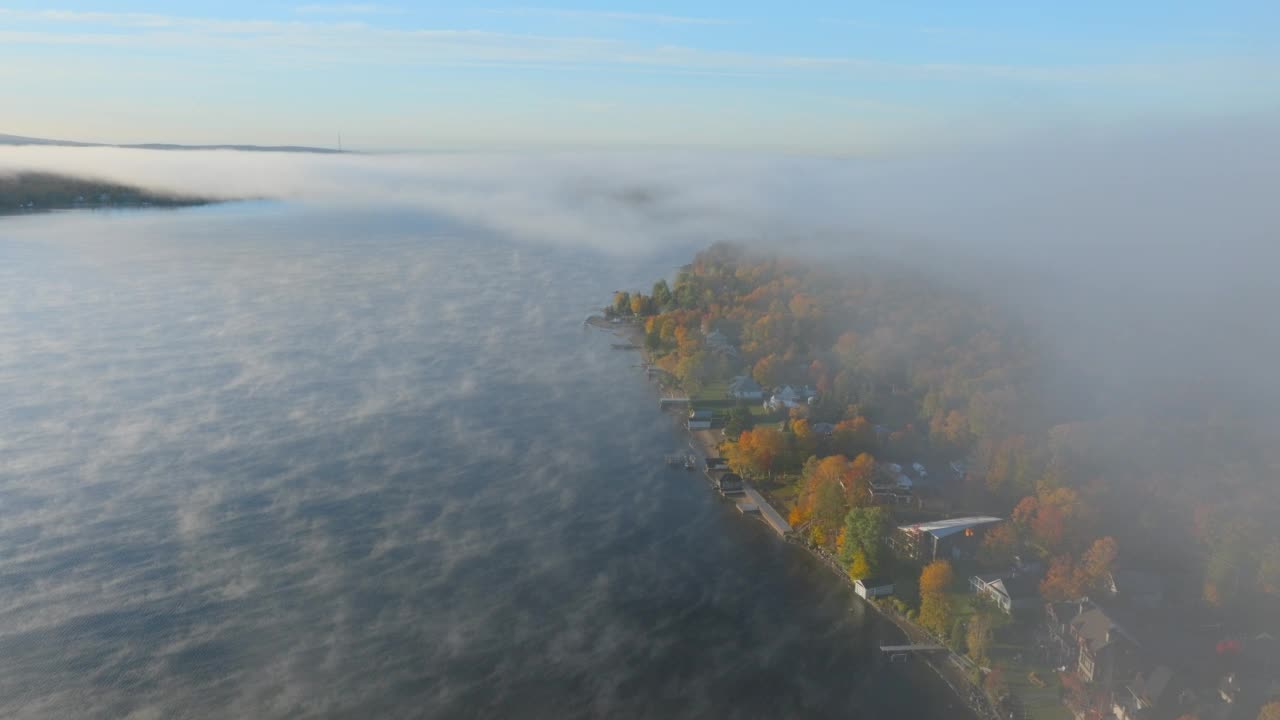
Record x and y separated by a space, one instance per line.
264 461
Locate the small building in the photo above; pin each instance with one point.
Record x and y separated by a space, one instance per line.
873 588
743 387
700 419
891 496
941 539
1012 594
716 464
730 484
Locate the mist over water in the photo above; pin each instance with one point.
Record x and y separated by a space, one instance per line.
270 461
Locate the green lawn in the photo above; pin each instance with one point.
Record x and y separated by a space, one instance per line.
712 392
1041 703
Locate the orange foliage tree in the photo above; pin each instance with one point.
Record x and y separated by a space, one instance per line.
756 451
935 604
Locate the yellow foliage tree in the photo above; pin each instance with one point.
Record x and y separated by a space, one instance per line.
859 569
935 604
936 577
936 612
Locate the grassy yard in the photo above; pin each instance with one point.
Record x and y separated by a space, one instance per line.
1039 703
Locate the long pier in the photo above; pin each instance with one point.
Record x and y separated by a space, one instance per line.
911 648
770 516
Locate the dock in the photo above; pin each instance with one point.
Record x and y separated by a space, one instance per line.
665 403
912 648
767 513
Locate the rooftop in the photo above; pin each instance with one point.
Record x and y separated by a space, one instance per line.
945 528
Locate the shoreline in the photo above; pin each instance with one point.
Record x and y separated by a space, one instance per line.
947 671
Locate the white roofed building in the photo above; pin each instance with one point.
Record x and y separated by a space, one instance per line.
942 539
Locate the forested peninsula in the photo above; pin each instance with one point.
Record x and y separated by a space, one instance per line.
909 431
35 191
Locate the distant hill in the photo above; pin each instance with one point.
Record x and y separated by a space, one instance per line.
20 140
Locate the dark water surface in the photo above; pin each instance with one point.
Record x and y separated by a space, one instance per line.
271 462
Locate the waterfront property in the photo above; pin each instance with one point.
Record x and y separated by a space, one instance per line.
1106 651
941 539
873 588
767 512
730 484
1012 594
700 419
716 464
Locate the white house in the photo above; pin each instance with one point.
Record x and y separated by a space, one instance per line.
873 588
788 397
1010 594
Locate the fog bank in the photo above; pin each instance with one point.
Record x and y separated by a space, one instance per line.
1150 253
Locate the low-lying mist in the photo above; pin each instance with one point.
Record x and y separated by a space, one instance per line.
1138 256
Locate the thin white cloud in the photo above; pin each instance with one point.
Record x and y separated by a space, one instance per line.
614 16
360 43
346 9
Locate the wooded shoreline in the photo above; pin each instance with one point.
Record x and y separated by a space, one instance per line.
962 688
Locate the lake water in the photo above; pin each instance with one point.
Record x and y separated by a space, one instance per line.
276 462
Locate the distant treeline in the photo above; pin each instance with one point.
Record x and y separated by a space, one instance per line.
45 191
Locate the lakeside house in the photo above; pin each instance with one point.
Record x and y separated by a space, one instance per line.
941 539
1106 650
716 464
788 397
700 419
873 588
730 484
1013 594
743 387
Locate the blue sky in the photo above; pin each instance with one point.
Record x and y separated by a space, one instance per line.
817 77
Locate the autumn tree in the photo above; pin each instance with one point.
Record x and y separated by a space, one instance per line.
861 473
639 304
622 302
661 294
756 451
1096 562
863 538
740 420
1270 711
806 443
978 637
822 499
937 577
999 545
936 612
768 371
935 602
854 436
